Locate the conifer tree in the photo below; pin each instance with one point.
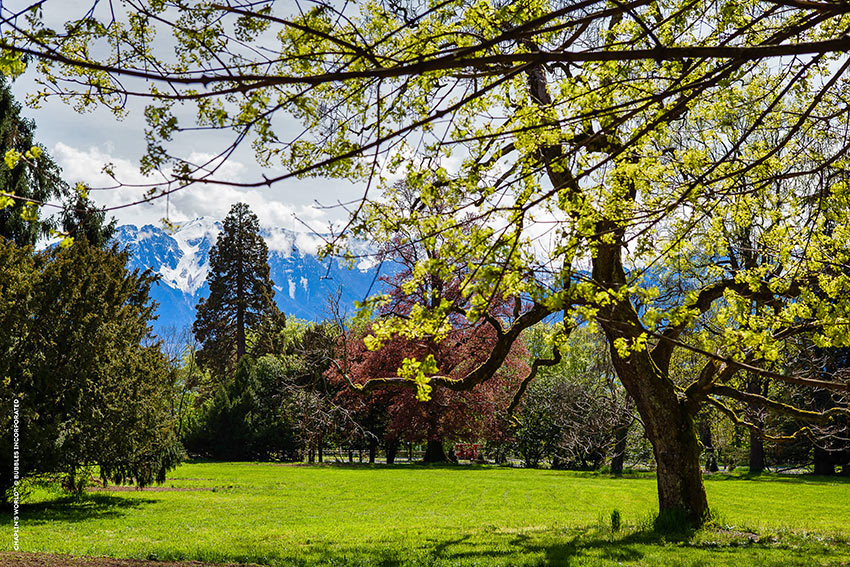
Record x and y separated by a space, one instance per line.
93 389
241 293
40 183
82 219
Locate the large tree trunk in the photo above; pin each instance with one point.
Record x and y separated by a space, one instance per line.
670 429
664 408
435 452
669 425
677 455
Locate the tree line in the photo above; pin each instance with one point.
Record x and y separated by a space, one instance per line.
291 394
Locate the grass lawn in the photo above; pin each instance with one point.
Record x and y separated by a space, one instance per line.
410 515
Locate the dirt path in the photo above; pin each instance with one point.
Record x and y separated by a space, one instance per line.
13 559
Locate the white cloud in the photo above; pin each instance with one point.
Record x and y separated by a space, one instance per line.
269 204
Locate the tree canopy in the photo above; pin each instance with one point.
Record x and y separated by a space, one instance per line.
674 173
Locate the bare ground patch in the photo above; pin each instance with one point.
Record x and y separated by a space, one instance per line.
15 559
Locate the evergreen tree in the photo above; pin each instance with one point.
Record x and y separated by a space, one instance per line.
41 183
241 293
93 390
243 419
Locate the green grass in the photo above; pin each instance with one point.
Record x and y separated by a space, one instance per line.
394 516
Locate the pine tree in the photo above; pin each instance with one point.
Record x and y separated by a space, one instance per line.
241 293
41 183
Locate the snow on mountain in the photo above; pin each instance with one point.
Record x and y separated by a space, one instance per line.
194 240
302 283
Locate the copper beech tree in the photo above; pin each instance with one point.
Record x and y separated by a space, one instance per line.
571 148
402 413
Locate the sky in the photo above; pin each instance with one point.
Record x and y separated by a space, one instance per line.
83 143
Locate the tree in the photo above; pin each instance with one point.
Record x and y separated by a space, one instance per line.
82 219
589 142
241 292
275 408
21 187
397 412
245 418
451 345
574 413
92 386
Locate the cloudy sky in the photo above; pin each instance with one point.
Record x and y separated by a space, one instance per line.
83 143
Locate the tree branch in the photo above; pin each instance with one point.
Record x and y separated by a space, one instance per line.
483 372
730 413
779 407
535 366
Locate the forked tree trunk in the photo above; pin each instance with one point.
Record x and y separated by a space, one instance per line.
670 429
662 406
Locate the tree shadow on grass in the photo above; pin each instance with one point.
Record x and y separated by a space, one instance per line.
779 477
687 547
503 551
567 551
79 508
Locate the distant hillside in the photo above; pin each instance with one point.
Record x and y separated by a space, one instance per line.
302 283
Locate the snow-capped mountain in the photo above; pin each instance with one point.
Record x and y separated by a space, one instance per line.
302 282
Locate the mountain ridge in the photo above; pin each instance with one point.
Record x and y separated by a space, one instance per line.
303 283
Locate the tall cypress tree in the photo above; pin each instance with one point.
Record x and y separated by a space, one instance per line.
241 292
41 183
